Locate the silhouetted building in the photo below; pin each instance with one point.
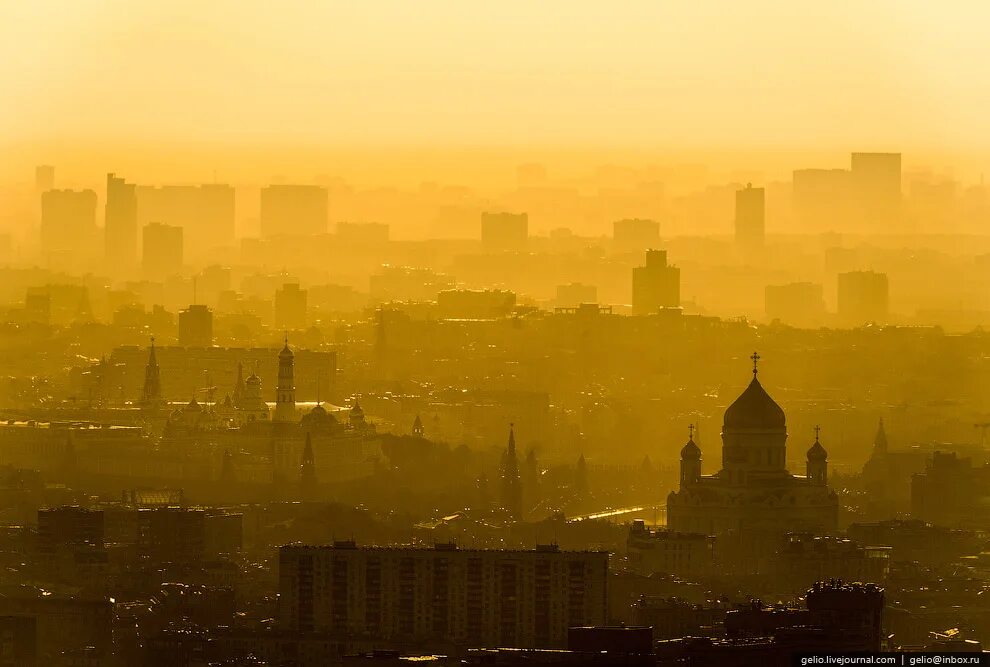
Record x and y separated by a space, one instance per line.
504 231
651 551
294 210
68 226
863 297
120 224
951 492
196 326
737 497
574 294
511 487
69 527
443 595
635 234
161 250
475 304
798 304
876 190
172 534
750 221
285 392
291 307
656 285
151 392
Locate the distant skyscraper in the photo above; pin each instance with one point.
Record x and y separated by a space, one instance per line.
196 326
750 217
297 210
876 190
656 285
120 224
863 296
68 225
161 250
635 234
290 307
504 231
285 392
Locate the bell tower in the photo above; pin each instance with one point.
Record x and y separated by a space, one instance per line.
285 391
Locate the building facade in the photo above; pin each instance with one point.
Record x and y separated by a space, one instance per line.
753 493
451 596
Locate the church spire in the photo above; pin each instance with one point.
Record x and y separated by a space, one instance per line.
880 439
511 487
151 394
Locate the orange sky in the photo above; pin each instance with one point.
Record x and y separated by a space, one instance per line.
86 79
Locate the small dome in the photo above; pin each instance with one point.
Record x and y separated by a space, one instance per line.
754 409
817 452
690 451
253 379
318 410
193 406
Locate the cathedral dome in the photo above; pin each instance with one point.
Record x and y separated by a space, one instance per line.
754 409
690 451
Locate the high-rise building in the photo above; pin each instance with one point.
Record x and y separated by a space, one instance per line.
750 222
655 285
285 391
69 527
161 250
863 296
574 294
68 225
120 224
294 210
290 307
504 231
196 326
635 234
799 304
205 213
876 190
442 596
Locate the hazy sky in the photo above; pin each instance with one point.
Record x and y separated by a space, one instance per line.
860 74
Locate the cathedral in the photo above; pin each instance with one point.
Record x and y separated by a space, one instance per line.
753 492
